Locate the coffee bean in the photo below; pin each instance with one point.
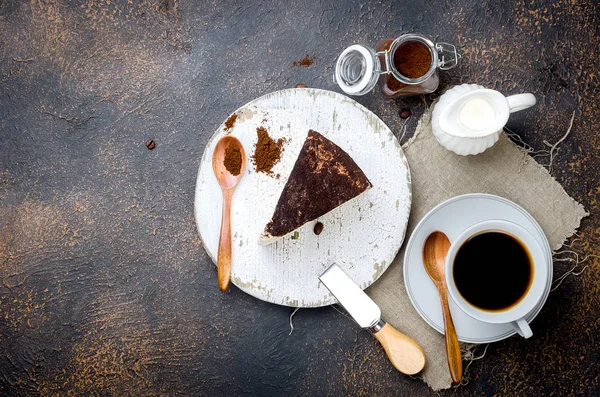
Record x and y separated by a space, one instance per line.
405 113
150 144
300 85
318 228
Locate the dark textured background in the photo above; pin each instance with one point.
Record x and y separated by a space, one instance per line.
105 287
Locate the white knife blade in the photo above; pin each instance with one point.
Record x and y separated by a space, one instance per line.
404 353
362 308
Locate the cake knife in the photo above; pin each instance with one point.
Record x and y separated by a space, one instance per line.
404 353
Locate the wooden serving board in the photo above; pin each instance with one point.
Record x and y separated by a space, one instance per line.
362 236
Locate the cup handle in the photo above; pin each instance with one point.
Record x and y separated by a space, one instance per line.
523 328
520 101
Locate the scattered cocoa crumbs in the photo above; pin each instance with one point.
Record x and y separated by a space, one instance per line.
267 151
306 61
230 121
233 159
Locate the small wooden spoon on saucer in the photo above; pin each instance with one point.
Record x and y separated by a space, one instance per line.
227 146
434 257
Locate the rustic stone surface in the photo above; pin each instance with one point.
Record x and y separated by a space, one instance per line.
105 287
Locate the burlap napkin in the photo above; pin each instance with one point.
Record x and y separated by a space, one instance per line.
437 175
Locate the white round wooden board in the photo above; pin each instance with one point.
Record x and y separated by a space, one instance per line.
362 236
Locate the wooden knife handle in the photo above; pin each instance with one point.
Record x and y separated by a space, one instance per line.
404 353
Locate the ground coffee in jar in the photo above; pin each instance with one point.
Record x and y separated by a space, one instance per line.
407 65
412 59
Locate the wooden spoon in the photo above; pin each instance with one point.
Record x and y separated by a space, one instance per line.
434 257
228 182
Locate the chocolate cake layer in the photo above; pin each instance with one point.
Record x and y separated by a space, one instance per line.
323 178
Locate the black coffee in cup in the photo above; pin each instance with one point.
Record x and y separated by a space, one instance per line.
493 271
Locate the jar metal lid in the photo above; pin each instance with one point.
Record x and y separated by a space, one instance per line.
357 70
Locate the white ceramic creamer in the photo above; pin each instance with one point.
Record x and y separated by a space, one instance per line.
469 118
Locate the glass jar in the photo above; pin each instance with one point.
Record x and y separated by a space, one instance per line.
407 65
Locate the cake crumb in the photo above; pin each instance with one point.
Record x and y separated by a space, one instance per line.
318 228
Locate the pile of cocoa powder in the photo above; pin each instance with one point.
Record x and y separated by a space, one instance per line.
267 151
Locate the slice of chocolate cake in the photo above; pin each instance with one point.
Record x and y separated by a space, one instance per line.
323 178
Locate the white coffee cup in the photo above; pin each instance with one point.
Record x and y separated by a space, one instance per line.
514 314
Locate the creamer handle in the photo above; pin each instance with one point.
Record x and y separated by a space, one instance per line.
520 101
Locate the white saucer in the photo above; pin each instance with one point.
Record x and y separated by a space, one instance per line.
452 217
